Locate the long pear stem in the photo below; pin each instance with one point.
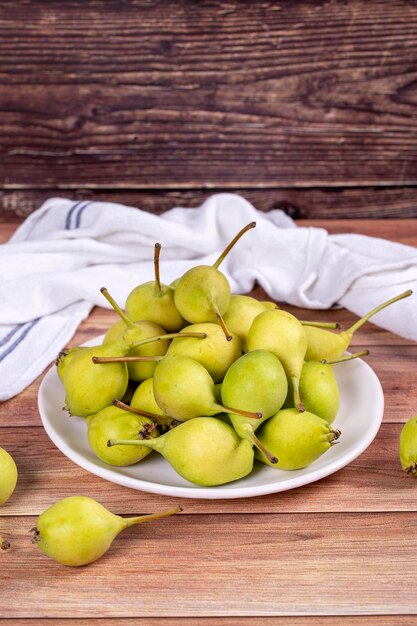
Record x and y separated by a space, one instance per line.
4 545
271 457
149 443
222 323
349 357
168 336
157 252
131 521
228 409
232 243
125 359
116 307
366 317
297 399
160 419
332 325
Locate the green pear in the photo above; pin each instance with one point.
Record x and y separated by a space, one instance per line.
206 451
64 357
240 314
326 345
154 302
203 293
114 423
319 390
213 352
282 334
184 390
297 439
78 530
8 476
255 382
408 446
90 387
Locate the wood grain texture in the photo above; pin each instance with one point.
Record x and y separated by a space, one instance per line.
319 564
374 482
317 620
323 204
180 94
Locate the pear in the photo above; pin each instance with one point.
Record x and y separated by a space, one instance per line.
114 423
256 381
323 344
297 439
213 352
408 446
282 334
184 389
240 314
116 330
203 293
64 357
319 390
78 530
154 301
90 387
8 475
206 451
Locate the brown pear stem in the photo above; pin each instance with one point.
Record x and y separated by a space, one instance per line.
332 325
160 419
250 414
125 359
348 357
232 243
271 457
4 545
366 317
130 521
168 336
222 323
117 308
297 399
156 254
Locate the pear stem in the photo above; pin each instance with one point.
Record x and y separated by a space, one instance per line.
116 307
332 325
157 252
250 414
248 433
168 336
222 323
125 359
366 317
232 243
348 357
131 521
297 399
149 443
4 545
160 419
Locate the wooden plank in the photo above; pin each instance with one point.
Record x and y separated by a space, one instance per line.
374 482
221 565
323 204
179 94
354 620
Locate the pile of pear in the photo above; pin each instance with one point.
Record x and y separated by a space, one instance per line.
208 379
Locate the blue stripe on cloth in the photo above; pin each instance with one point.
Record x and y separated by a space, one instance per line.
69 215
19 339
10 334
79 214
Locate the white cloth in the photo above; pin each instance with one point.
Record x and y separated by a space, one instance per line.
54 265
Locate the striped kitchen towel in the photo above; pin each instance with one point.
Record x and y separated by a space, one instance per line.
53 267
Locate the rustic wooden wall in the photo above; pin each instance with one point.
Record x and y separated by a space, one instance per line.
310 106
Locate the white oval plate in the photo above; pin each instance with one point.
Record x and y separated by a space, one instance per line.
359 419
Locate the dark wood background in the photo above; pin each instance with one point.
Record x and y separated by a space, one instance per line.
309 106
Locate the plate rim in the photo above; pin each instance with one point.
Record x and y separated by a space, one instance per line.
216 492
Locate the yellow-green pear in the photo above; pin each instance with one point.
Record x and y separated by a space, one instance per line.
408 446
8 475
240 314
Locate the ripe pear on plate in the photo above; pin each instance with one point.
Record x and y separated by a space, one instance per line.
153 301
205 450
203 293
282 334
326 345
297 439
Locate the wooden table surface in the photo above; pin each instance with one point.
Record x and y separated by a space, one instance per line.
344 546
